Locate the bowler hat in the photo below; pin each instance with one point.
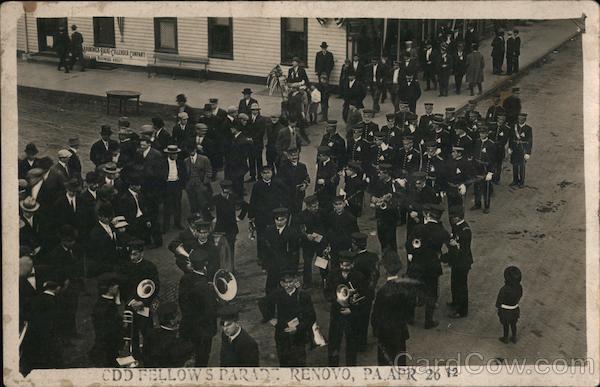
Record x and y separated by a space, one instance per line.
72 185
419 176
135 245
213 100
29 204
331 122
456 212
288 274
295 59
172 149
226 184
181 98
346 256
360 237
123 122
229 312
311 199
338 199
158 122
247 90
31 149
106 130
74 27
355 166
73 141
281 212
323 45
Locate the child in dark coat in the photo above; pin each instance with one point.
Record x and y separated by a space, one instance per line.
507 302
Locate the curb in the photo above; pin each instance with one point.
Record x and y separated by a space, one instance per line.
522 72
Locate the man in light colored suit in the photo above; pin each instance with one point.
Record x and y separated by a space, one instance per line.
288 139
199 172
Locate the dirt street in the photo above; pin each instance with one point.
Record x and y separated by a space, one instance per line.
540 228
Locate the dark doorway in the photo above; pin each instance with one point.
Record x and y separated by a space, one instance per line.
47 29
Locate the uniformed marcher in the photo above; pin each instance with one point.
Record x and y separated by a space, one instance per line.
313 228
463 140
327 178
354 188
346 313
369 127
460 259
458 173
340 226
499 133
441 136
519 147
392 312
424 248
367 263
290 310
107 321
163 348
294 174
484 156
432 165
386 212
408 159
380 153
335 143
238 348
512 106
197 302
143 305
392 133
494 110
358 148
419 195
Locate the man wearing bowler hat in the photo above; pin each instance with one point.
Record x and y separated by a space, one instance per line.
323 61
74 163
62 45
29 162
100 151
327 177
226 217
163 348
353 92
238 348
294 174
162 138
256 132
246 101
174 178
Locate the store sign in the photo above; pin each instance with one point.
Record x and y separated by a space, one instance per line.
116 55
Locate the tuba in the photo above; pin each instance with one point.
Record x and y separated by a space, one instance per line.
225 285
146 289
126 359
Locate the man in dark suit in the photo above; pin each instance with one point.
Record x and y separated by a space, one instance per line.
198 172
410 92
30 285
335 143
375 75
520 145
512 106
183 132
297 74
274 126
517 51
267 194
430 60
74 163
471 36
498 51
408 64
31 226
162 138
198 308
238 348
236 161
196 238
246 102
151 162
357 66
100 151
101 246
174 177
323 61
70 209
77 48
29 162
340 226
444 69
294 175
510 52
182 106
108 323
61 45
460 65
226 218
354 93
60 171
163 348
311 224
134 206
256 130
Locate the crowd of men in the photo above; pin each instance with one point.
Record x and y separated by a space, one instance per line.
78 227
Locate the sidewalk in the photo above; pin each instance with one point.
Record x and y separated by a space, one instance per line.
538 38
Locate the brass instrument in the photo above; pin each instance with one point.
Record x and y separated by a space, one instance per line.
146 289
225 285
383 202
347 295
126 359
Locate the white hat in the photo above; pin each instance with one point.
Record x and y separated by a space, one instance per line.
183 115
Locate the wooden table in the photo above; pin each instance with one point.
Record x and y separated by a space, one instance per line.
123 96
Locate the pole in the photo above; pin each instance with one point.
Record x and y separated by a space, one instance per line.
398 43
384 35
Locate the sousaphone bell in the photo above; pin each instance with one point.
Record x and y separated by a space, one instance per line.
146 289
225 285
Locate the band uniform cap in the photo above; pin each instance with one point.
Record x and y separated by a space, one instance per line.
73 141
324 150
501 114
456 212
29 204
450 109
523 114
181 98
183 115
512 274
331 122
359 236
229 312
119 221
254 106
281 212
438 118
247 90
430 144
172 149
108 279
419 176
63 153
111 167
390 116
408 138
124 121
135 245
355 166
288 273
516 89
323 45
428 104
31 149
167 311
311 199
358 128
202 225
338 199
226 184
434 209
346 256
379 134
194 217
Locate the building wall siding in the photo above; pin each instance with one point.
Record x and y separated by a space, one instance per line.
32 32
21 35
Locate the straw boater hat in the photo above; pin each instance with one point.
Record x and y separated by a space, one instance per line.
29 204
172 149
111 167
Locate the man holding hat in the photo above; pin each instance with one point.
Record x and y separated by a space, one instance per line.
291 312
29 162
424 247
484 156
163 348
238 348
294 174
323 61
354 187
460 259
335 143
327 177
108 323
391 313
198 308
499 133
512 106
519 147
100 151
135 271
246 101
346 314
282 247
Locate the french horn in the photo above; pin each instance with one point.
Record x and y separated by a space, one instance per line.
225 285
146 289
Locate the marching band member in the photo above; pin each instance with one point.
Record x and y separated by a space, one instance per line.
163 348
238 348
519 147
107 322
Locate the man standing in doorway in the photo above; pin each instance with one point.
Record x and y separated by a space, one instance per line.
323 61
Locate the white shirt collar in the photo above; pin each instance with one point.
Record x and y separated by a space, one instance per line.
107 297
460 222
235 335
392 278
167 328
145 153
49 292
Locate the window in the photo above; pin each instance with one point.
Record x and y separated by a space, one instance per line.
165 34
294 38
220 37
104 31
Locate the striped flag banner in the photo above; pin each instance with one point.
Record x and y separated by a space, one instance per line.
339 21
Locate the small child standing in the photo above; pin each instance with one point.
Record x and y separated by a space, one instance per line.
507 302
315 101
